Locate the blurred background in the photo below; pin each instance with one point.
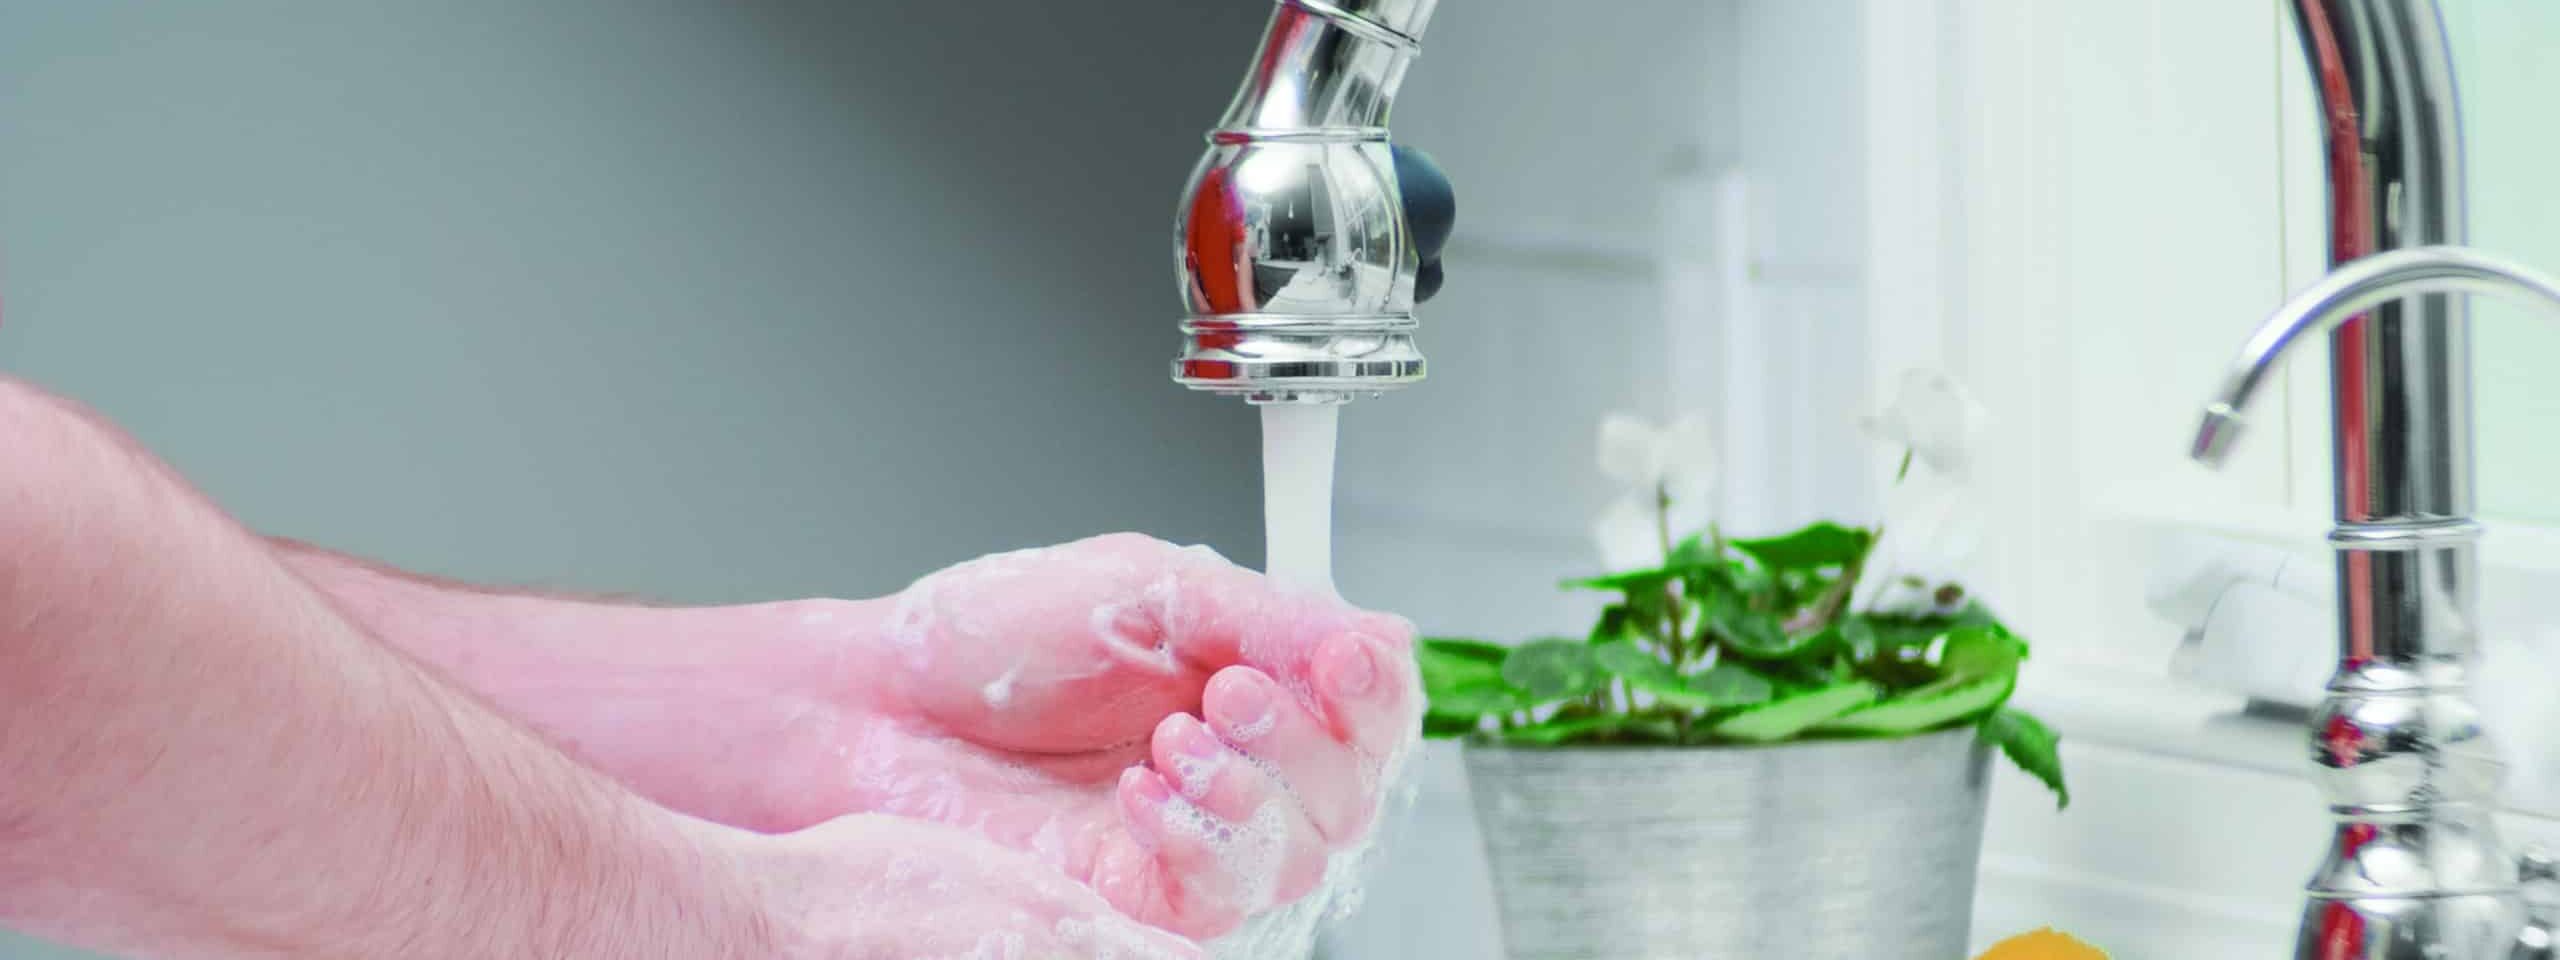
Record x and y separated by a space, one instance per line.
712 302
698 301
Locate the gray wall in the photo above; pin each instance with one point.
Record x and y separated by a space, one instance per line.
706 301
703 300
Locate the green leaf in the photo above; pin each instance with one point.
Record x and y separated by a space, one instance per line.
1757 635
1713 576
1692 558
1646 607
2034 747
1613 625
1896 632
1438 726
1551 670
1449 665
1692 553
1627 661
1791 677
1785 718
1926 708
1468 702
1753 581
1981 651
1733 685
1823 544
1642 670
1462 681
1858 637
1632 581
1614 726
1460 649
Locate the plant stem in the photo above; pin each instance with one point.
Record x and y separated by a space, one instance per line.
1836 600
1662 518
1672 615
1905 469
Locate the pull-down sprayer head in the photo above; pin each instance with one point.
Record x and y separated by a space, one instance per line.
1295 255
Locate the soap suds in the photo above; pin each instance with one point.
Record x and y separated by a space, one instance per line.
1256 729
1125 634
1288 932
998 693
1193 776
1093 942
1252 852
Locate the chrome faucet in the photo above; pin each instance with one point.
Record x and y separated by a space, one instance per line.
2415 868
1296 259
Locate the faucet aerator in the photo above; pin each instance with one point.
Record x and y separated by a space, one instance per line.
2217 436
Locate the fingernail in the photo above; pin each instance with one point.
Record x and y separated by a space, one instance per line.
1195 741
1151 789
1353 671
1245 704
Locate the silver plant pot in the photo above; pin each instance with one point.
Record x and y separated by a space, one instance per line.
1857 849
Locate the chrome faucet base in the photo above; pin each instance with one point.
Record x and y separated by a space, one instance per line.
2421 928
1296 260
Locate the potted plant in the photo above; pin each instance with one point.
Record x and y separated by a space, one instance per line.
1764 747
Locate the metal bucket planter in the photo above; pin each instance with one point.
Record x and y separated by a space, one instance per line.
1845 849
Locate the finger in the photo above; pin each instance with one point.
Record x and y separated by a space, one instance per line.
1333 784
1244 795
1365 687
1212 873
1125 873
1223 615
1192 607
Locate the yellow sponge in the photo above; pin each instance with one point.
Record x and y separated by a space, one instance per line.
2045 944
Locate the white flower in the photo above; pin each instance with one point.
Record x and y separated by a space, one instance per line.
1932 526
1932 522
1934 417
1650 463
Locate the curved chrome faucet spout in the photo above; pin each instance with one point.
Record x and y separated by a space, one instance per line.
2341 296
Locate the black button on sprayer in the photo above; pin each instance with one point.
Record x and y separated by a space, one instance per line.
1430 209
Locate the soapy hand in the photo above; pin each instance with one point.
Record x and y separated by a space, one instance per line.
870 887
1190 738
1186 737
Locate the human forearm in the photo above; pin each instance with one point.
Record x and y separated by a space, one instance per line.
200 758
627 687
